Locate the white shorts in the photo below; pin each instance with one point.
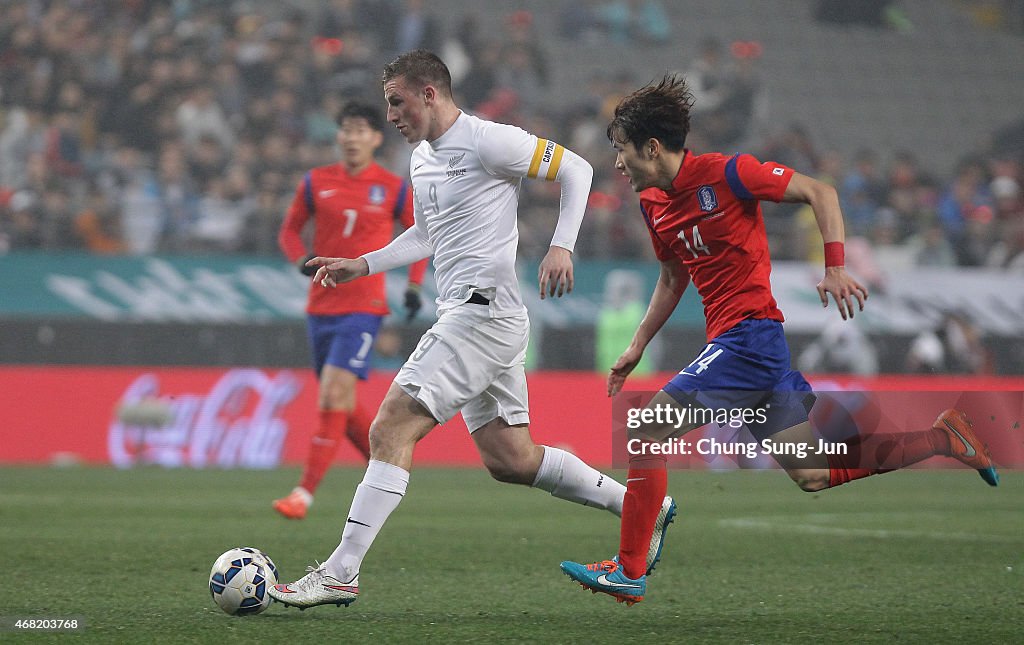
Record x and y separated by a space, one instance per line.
471 362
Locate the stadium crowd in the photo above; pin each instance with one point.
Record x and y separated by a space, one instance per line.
183 127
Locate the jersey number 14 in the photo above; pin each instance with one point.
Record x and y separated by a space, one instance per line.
698 243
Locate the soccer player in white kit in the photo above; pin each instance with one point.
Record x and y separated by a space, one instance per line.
466 174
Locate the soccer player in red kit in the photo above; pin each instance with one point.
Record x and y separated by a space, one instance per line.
353 205
704 216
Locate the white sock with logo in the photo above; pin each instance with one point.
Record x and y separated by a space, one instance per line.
566 476
379 493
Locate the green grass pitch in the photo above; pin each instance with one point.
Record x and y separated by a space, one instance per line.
910 557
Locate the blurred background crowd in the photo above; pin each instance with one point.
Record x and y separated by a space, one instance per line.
183 126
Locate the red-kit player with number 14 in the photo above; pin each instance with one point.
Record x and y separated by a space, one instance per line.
704 216
353 205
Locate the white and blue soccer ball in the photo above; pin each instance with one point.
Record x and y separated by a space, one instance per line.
240 579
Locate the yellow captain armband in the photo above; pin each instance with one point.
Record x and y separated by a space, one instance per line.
547 158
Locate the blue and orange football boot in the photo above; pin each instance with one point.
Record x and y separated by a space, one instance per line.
607 577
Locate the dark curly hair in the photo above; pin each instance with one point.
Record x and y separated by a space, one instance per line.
659 112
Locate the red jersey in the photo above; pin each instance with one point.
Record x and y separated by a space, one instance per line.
352 215
711 221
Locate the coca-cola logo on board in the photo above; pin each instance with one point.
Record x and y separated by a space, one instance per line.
237 423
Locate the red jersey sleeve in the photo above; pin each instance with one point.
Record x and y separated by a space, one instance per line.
750 179
407 217
289 238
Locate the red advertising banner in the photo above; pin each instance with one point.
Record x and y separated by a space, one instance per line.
257 418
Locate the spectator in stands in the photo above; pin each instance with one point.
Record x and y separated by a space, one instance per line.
223 212
141 217
930 247
743 103
580 20
862 192
259 235
338 16
21 225
1006 196
517 74
417 28
911 195
979 235
1008 252
23 132
521 32
727 91
206 160
954 347
710 78
288 119
57 217
97 227
842 348
967 192
481 79
870 13
229 91
635 21
178 199
200 116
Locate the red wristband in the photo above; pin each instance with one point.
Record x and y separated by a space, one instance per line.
835 254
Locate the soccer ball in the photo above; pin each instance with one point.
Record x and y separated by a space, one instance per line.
239 581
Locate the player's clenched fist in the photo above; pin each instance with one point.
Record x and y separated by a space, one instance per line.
335 271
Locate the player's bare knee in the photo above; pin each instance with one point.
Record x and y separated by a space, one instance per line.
387 441
382 443
508 469
378 441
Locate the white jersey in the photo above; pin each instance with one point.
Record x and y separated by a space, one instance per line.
466 196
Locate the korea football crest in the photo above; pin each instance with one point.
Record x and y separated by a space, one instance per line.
377 194
707 198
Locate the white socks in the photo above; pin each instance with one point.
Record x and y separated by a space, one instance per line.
566 476
561 473
381 490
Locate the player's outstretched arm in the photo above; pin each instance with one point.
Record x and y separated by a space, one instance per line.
409 247
824 201
672 282
334 271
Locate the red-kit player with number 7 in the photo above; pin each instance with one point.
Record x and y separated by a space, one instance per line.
704 216
354 206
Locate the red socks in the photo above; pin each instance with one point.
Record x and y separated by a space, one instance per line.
646 484
881 452
358 430
323 447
